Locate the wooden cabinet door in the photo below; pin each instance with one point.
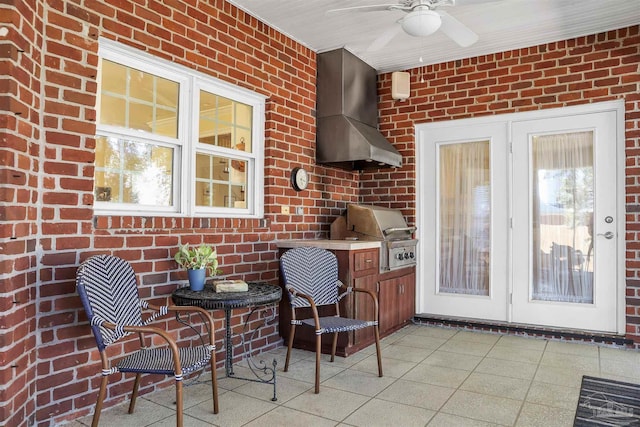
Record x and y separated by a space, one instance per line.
407 305
397 301
389 299
364 307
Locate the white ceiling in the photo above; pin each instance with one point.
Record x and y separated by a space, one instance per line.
501 25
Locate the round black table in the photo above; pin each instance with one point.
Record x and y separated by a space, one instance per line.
259 295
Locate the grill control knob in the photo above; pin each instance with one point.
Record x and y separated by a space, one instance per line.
412 255
400 257
406 255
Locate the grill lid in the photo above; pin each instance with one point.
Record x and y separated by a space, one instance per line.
378 222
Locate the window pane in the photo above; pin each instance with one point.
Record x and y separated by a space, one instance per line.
243 115
224 123
203 193
133 172
562 217
134 99
207 122
203 166
244 140
220 168
140 116
113 110
465 214
243 119
142 87
220 181
114 78
237 197
220 195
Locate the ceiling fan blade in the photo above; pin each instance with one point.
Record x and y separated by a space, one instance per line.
383 39
456 30
372 8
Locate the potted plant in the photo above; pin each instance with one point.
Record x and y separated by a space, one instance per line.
197 260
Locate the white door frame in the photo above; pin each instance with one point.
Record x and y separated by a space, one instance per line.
421 131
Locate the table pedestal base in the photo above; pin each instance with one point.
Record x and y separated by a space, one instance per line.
262 372
260 298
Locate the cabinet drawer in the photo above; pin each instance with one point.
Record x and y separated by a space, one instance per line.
365 262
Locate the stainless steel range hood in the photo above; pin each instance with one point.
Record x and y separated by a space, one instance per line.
347 112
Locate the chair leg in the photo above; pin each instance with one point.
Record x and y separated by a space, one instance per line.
101 395
334 346
179 404
292 332
214 383
318 353
134 395
377 335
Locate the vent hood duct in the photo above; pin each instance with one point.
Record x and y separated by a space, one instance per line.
347 111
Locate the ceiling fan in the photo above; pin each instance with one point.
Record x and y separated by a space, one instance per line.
423 19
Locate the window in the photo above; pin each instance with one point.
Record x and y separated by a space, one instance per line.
173 141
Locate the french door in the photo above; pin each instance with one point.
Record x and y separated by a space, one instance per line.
565 222
519 219
463 219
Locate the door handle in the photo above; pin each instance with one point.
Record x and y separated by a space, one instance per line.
608 235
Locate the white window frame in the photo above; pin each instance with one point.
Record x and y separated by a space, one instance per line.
186 144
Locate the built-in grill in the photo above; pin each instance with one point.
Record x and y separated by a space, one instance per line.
366 222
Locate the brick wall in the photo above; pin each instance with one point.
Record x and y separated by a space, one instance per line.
49 362
588 69
20 151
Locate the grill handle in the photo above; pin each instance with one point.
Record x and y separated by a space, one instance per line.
408 230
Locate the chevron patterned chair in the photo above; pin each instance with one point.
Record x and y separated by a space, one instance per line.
108 289
310 276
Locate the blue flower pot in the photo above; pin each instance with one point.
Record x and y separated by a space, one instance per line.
197 278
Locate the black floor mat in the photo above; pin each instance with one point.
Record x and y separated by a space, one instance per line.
606 402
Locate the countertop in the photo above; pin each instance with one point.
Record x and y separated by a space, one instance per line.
347 245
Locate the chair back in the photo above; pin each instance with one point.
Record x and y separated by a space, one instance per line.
108 289
311 271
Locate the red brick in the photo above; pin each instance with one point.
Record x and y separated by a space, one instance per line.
108 242
59 198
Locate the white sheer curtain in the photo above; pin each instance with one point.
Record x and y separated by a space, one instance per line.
562 217
464 212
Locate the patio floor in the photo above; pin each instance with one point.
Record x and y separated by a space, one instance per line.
433 376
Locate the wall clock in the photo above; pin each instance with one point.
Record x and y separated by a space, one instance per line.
299 179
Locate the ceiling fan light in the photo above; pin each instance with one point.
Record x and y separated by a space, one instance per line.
421 23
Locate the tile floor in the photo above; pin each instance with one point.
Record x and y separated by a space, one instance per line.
432 377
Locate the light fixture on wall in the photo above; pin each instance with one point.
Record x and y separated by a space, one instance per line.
400 85
421 22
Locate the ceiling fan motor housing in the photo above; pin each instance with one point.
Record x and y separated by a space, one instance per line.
421 22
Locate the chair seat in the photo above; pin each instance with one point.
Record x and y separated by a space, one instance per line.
160 360
332 324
